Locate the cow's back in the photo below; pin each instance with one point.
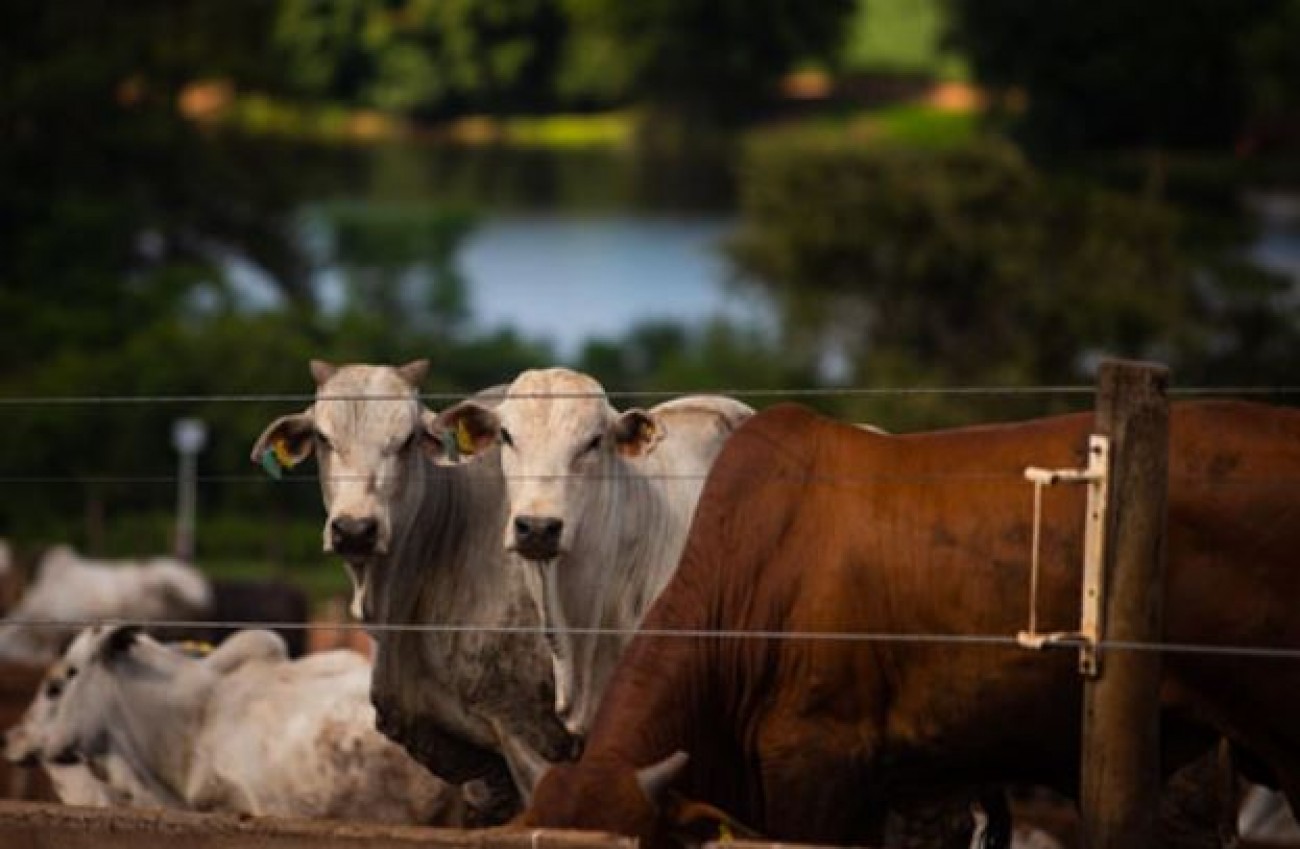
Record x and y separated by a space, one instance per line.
811 532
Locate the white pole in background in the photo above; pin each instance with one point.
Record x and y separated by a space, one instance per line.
188 437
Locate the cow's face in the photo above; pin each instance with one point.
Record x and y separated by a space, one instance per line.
634 802
25 743
559 435
78 725
365 429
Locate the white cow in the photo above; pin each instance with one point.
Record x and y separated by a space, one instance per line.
74 589
73 783
83 783
242 731
423 547
600 503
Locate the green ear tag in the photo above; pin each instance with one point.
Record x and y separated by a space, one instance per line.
271 464
449 447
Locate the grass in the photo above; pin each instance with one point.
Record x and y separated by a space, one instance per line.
914 125
903 37
260 114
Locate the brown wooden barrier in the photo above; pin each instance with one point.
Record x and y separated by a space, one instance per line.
33 825
18 683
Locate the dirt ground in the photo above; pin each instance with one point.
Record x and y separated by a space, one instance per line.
32 825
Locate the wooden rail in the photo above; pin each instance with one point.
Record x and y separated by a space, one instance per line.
32 825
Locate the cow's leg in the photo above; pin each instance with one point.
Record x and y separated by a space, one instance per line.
841 807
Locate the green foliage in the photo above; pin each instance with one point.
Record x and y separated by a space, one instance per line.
659 356
970 267
1106 73
423 57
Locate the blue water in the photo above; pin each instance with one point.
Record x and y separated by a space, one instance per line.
568 279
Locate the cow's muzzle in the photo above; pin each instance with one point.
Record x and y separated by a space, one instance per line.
354 535
538 537
66 757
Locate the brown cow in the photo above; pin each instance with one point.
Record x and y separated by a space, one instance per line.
810 526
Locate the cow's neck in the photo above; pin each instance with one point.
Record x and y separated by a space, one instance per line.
446 567
622 557
154 732
444 564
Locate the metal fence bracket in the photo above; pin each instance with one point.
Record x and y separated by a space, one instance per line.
1088 638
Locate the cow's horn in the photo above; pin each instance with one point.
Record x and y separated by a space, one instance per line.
657 778
322 371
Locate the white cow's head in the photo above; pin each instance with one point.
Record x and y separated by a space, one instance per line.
87 712
367 429
25 743
559 437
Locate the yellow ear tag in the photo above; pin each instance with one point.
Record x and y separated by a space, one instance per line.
282 455
464 442
276 458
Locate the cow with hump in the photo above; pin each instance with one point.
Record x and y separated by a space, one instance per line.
808 526
242 729
600 502
422 543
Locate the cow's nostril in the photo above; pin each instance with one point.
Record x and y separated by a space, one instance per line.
351 534
538 537
541 528
66 757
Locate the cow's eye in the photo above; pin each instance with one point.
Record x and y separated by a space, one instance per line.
70 674
53 689
506 439
592 445
324 441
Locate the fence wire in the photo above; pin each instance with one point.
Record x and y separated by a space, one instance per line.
978 640
987 640
796 392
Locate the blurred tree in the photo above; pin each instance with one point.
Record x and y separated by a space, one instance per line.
969 267
113 204
1105 73
662 356
701 62
423 57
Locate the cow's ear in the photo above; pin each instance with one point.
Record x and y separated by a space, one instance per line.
414 372
118 641
637 432
693 823
285 443
458 434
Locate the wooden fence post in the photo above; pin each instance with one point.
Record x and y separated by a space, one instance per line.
1121 725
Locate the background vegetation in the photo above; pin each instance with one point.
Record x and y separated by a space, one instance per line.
1087 198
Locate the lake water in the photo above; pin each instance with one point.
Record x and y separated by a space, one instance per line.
568 279
565 246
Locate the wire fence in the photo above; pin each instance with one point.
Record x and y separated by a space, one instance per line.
979 640
734 392
990 640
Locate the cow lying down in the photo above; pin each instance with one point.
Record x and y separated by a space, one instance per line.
74 589
125 719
